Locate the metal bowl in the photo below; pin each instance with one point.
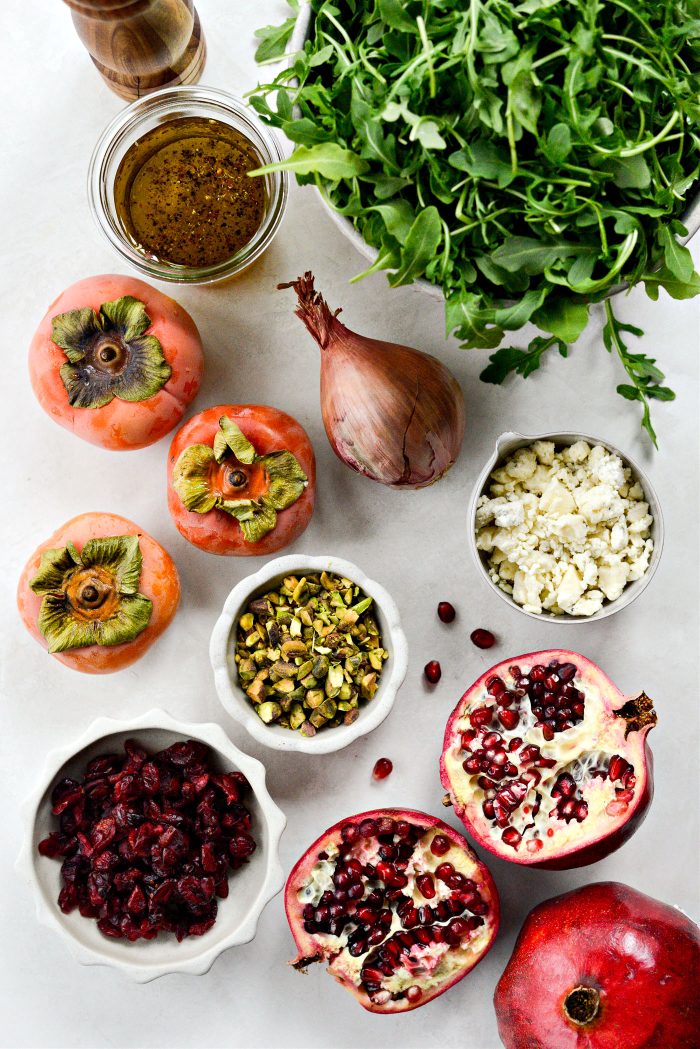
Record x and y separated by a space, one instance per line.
506 444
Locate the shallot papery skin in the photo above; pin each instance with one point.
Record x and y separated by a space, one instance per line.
392 413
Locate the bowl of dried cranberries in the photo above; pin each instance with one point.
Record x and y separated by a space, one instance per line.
152 845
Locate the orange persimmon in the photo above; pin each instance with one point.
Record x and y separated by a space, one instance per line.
98 593
116 361
241 479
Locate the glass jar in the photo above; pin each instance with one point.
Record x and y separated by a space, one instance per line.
161 107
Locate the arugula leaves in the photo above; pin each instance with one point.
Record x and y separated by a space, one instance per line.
274 39
528 157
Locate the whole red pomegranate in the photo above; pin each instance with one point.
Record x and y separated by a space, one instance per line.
602 967
547 763
397 903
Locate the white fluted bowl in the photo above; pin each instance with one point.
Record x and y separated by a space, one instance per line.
251 887
239 706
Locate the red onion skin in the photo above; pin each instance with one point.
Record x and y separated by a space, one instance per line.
390 412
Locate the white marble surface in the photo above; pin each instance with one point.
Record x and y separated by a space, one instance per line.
54 106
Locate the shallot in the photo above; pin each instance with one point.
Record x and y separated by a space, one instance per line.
392 413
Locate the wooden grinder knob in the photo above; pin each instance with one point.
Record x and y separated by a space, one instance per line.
141 45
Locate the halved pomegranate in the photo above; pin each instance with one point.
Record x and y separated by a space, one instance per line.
397 903
602 967
546 761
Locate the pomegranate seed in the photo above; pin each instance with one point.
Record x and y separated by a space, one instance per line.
426 886
494 686
382 768
480 716
509 718
433 671
482 638
372 975
444 871
506 699
548 732
537 673
567 671
414 993
410 919
617 767
446 612
440 845
512 837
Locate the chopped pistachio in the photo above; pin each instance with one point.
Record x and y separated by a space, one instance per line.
256 691
306 668
268 711
314 698
297 717
282 669
375 658
285 686
368 686
309 653
320 667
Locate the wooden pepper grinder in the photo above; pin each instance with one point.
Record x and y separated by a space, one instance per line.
141 45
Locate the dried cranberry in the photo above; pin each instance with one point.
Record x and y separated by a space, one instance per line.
147 840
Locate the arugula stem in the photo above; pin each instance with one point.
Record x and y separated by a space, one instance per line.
428 56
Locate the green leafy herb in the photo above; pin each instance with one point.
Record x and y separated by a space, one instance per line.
527 157
646 378
274 39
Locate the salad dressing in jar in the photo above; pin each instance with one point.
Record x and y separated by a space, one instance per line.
183 195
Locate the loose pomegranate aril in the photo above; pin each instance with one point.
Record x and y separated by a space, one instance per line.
446 612
432 671
132 869
383 767
594 740
482 638
415 842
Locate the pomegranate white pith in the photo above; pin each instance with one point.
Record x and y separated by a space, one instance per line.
546 761
398 905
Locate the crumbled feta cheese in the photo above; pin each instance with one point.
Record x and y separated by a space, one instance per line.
610 471
544 450
556 499
612 579
576 453
509 515
565 530
522 464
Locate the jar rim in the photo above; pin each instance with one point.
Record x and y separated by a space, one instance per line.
171 101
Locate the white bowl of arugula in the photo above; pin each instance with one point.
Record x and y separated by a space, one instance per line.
527 159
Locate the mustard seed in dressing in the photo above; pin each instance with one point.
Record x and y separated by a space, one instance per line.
183 195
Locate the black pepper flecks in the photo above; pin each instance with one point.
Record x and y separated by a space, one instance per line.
183 195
